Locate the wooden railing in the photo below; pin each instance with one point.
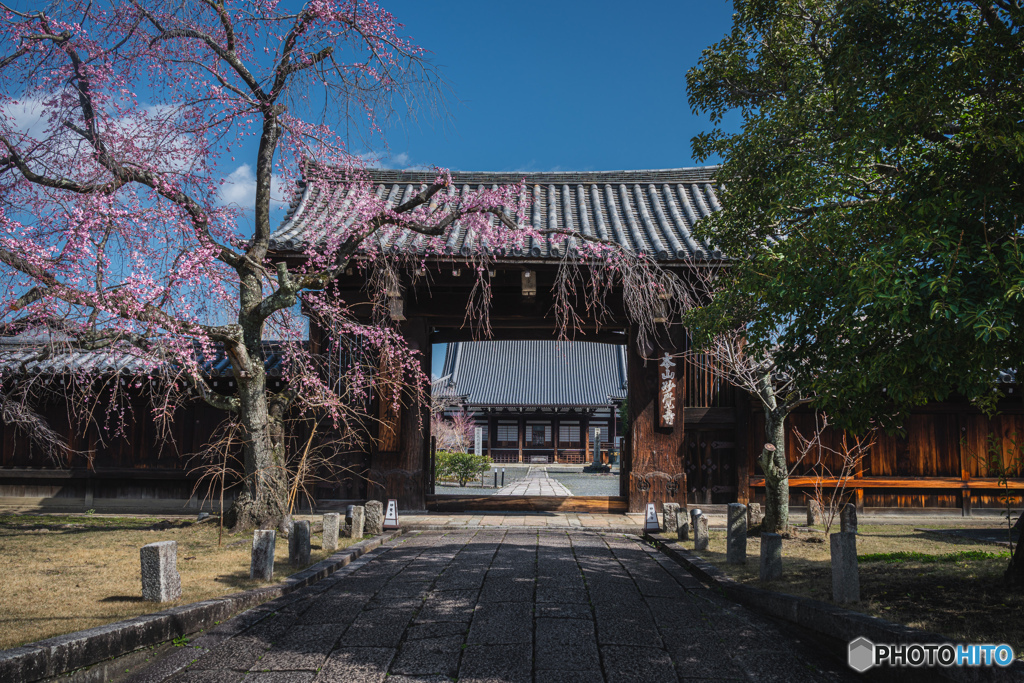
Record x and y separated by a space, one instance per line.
901 483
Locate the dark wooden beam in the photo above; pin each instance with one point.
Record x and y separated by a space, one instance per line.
449 335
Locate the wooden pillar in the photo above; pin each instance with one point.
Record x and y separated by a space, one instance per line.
656 460
492 426
965 473
522 435
585 436
742 450
554 436
403 467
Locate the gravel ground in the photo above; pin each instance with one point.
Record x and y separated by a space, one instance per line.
473 488
579 483
589 484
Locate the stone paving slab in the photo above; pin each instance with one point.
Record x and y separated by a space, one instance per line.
538 605
536 483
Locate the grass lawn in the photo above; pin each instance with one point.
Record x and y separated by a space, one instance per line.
934 582
60 574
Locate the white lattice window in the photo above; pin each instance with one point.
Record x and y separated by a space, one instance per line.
508 434
568 434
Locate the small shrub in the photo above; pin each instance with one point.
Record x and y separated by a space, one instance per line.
462 467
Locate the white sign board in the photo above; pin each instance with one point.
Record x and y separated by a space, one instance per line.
391 515
651 519
478 441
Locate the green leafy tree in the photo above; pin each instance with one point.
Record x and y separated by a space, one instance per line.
873 197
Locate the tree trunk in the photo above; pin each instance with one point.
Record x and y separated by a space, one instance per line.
263 500
776 473
1015 572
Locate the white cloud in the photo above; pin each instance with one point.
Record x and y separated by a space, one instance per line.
239 189
398 162
26 116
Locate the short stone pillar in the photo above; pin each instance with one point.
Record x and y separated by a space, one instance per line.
700 532
374 518
160 579
693 518
670 516
771 557
683 524
755 514
358 522
845 573
332 524
264 542
848 518
736 535
813 513
298 543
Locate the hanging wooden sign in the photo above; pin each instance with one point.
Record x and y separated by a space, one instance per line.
667 412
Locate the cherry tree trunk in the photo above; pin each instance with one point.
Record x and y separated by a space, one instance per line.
263 500
776 473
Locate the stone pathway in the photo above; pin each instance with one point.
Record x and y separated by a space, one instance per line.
501 606
623 523
535 483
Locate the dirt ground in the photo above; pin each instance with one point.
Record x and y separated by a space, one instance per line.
60 574
959 593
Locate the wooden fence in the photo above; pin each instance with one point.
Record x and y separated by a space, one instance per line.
944 459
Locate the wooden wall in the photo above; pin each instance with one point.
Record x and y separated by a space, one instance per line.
136 462
942 460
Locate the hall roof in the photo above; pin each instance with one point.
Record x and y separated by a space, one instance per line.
651 211
42 353
534 373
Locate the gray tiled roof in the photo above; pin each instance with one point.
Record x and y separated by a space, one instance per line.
652 212
534 373
22 354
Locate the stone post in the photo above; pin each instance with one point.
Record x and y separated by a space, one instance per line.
298 543
332 523
813 513
845 573
263 544
700 532
755 515
683 524
358 522
693 518
374 518
670 514
160 579
736 536
771 557
848 518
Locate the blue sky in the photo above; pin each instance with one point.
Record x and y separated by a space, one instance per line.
558 85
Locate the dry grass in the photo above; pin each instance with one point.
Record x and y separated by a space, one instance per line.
965 600
60 574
